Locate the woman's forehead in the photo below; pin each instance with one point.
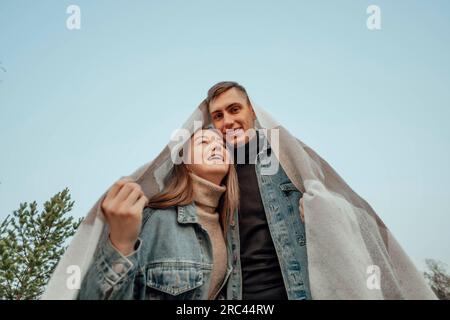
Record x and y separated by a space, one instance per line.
208 133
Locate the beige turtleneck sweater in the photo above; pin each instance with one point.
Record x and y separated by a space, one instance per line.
206 198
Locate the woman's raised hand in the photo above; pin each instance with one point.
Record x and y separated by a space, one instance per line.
122 207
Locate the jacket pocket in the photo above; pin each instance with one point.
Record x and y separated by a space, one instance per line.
293 196
174 278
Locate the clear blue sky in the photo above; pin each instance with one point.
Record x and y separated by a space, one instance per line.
81 108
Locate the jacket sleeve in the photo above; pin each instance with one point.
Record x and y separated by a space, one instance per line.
112 275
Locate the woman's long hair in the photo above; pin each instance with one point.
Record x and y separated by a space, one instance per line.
178 191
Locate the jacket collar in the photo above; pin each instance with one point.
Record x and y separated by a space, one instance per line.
187 214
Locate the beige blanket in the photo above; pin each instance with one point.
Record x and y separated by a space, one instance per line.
351 253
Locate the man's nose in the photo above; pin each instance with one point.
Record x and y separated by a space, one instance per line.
228 121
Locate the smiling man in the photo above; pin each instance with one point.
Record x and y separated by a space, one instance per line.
271 262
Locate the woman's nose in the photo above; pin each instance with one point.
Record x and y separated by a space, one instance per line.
217 146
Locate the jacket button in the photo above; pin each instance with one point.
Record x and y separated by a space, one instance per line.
118 267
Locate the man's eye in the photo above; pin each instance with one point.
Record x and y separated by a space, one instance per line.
217 116
235 109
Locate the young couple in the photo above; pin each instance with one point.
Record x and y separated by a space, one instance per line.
219 229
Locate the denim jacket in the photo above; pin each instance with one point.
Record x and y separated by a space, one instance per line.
281 203
172 261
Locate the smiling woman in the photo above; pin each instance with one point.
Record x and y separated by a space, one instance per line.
207 156
171 246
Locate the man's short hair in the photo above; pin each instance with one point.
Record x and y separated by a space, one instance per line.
219 88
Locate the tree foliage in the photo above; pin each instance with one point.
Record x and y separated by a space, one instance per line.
438 278
31 244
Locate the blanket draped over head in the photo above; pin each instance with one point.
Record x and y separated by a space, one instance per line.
351 253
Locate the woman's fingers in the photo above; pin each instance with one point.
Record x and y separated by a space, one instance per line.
125 191
114 190
122 195
133 197
141 203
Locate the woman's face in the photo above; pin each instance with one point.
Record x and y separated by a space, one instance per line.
208 157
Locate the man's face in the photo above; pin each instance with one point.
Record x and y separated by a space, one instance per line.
232 115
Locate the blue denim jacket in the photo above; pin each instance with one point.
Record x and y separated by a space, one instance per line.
281 203
172 261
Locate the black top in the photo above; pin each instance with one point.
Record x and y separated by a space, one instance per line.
261 273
